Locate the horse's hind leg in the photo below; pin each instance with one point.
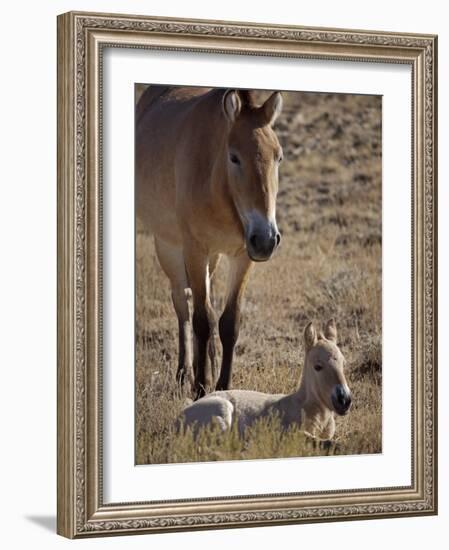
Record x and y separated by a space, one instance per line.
213 263
203 319
172 262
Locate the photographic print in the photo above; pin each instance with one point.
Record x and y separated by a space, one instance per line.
247 274
258 250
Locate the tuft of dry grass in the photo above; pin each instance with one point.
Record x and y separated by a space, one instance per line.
264 439
328 265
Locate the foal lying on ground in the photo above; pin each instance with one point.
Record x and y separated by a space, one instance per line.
322 392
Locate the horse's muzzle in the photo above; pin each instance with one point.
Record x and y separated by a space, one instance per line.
341 399
261 245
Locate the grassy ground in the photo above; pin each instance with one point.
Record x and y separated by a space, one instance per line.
328 265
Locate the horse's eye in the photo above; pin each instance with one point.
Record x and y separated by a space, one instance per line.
318 367
234 158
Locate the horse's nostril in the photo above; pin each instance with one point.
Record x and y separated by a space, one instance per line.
341 400
278 239
345 401
253 241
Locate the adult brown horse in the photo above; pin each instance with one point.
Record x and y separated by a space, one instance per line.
207 178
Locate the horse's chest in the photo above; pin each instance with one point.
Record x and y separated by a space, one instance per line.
217 236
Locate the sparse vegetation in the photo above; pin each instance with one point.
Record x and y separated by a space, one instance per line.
328 264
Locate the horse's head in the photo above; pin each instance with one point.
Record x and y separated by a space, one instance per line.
253 155
323 369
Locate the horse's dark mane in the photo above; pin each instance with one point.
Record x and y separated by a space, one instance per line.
247 97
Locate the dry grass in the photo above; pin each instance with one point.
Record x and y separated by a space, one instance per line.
329 264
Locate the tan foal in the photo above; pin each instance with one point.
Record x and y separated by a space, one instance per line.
322 392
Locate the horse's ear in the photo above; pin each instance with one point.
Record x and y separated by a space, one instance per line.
272 107
330 330
231 105
310 336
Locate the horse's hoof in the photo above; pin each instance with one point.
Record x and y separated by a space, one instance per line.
220 386
326 445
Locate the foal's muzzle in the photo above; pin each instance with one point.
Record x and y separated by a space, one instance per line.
341 399
261 243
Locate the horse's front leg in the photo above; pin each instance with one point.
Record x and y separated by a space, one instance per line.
229 324
203 319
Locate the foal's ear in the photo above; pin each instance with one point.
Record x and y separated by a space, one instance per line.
232 105
310 336
272 107
330 331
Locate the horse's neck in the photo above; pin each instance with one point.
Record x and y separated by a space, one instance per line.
220 197
314 411
302 408
289 409
218 137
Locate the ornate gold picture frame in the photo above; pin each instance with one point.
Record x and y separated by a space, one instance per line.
82 40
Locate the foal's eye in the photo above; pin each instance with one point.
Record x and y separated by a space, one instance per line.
234 158
318 367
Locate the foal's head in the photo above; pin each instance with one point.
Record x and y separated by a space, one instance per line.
253 157
323 369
